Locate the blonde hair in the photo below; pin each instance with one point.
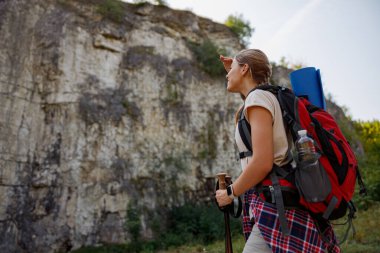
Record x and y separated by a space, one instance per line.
259 67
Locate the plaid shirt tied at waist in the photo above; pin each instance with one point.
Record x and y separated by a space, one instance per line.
304 235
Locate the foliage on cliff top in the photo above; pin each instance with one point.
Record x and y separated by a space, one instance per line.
112 9
241 27
157 2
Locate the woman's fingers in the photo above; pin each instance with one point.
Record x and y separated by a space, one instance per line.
227 61
222 198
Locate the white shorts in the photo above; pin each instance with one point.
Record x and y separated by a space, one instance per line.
256 243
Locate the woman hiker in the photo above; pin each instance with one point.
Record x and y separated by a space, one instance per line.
247 70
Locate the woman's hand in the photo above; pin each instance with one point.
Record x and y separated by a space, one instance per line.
222 198
227 61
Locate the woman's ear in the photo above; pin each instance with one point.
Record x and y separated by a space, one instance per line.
244 69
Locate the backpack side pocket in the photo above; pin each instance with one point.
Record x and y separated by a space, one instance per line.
312 181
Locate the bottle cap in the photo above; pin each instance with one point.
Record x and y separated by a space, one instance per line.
302 132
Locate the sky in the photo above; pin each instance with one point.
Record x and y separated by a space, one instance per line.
339 37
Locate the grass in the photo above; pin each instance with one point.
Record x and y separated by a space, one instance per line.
367 237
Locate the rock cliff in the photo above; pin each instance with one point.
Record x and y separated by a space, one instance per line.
99 113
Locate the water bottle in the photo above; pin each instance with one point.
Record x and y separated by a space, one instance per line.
311 179
305 148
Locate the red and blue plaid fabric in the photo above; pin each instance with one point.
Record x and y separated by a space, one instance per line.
304 235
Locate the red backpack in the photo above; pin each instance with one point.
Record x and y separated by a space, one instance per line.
325 192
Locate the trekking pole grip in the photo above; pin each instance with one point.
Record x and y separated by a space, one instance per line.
222 180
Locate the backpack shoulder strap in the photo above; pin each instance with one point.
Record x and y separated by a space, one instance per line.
245 134
290 112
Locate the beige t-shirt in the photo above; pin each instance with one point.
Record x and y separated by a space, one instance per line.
280 138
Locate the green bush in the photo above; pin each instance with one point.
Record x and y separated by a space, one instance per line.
369 135
189 224
185 225
112 9
196 223
133 223
207 56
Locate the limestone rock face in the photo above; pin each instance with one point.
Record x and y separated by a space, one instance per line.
97 115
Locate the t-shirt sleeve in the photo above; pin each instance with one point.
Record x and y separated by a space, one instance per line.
260 98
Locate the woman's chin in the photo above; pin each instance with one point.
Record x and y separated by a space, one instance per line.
231 90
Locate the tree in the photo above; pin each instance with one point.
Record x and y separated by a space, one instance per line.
240 27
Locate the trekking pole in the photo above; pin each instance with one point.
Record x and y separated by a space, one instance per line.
227 230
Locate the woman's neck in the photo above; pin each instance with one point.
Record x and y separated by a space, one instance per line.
248 85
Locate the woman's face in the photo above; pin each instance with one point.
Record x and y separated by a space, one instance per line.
234 77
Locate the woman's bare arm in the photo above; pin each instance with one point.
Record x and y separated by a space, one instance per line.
261 162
